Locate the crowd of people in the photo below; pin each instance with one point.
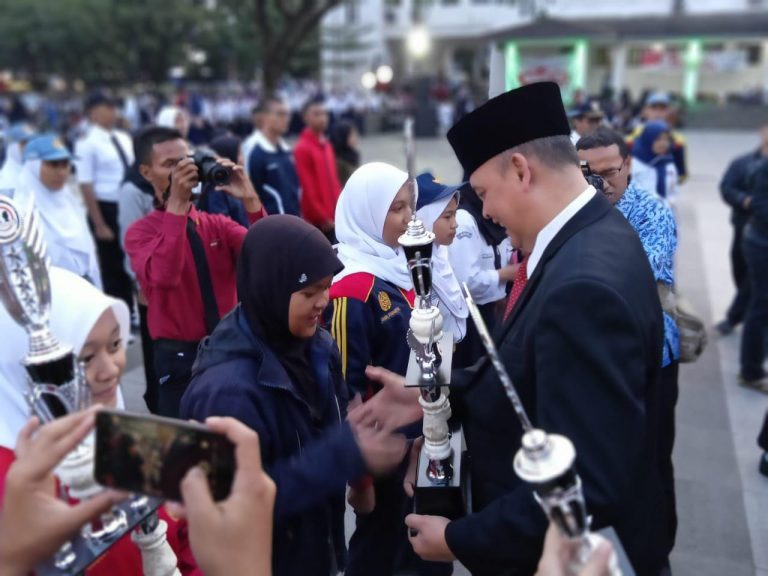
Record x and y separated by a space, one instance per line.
274 303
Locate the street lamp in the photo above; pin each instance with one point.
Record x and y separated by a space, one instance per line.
418 41
368 80
384 74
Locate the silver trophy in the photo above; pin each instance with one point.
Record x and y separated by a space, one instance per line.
57 386
440 485
546 461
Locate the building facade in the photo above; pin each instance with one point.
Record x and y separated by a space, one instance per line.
702 50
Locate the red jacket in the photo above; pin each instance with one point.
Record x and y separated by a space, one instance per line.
316 167
165 268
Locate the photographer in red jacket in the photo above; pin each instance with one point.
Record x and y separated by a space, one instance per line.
316 167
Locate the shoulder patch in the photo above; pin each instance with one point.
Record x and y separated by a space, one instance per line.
384 302
357 286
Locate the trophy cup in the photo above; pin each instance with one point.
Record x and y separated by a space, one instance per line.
57 386
440 489
546 461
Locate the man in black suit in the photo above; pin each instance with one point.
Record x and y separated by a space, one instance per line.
582 343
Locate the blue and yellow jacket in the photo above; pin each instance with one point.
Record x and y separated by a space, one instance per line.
368 318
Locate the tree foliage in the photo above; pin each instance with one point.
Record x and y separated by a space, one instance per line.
117 41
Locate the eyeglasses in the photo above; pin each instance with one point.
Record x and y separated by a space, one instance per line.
611 173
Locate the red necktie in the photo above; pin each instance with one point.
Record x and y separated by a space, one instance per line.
521 279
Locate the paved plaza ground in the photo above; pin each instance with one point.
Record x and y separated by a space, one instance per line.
722 499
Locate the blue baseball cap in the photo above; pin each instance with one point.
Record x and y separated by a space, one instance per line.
20 132
47 147
588 109
431 190
658 99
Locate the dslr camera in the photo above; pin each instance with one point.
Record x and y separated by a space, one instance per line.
209 171
592 179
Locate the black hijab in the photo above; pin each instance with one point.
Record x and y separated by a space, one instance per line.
282 254
493 233
340 142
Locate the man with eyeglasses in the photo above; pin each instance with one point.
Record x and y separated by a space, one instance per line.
608 156
585 119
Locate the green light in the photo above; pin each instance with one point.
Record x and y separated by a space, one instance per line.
511 66
579 65
692 59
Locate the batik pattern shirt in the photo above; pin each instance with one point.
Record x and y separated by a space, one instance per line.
652 219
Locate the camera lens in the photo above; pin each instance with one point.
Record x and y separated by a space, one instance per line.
219 175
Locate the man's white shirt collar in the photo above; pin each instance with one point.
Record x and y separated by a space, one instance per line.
548 233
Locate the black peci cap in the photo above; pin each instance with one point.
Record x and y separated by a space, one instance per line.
527 113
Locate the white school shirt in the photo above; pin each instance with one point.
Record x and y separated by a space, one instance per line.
473 260
98 161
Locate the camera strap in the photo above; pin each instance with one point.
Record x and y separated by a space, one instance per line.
203 276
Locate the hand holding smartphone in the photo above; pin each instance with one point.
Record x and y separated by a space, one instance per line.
151 455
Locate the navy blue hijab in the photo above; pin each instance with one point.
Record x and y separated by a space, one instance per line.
642 149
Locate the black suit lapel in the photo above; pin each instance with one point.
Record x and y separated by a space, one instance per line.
595 209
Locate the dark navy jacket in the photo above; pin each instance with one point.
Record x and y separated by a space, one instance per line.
218 202
747 176
369 319
311 460
273 174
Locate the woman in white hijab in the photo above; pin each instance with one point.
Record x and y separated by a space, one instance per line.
96 326
372 299
44 187
173 117
436 208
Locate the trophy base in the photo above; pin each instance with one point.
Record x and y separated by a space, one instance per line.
451 499
83 550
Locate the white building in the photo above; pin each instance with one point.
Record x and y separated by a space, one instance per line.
697 48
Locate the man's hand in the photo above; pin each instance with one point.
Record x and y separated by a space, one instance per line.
233 537
381 450
509 272
240 186
183 181
393 407
427 536
560 552
103 232
35 523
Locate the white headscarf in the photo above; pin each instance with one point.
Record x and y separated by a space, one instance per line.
167 118
444 282
76 305
9 174
68 241
360 215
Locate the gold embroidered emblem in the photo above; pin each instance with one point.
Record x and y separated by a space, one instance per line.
384 301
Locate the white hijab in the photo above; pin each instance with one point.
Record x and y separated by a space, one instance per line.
360 215
167 117
444 283
76 305
9 174
68 241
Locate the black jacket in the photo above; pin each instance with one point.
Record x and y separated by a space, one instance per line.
746 176
583 347
310 459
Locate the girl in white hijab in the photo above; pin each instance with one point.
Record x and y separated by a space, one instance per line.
44 187
18 135
173 117
95 325
436 208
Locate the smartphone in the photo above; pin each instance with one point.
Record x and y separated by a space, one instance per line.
151 455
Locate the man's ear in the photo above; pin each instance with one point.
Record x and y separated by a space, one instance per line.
520 167
144 171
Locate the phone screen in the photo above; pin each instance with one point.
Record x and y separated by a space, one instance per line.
151 455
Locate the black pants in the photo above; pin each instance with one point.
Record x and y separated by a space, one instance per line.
173 367
738 307
147 350
112 258
379 545
762 439
753 337
669 395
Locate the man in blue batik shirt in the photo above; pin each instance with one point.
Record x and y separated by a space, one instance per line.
651 217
